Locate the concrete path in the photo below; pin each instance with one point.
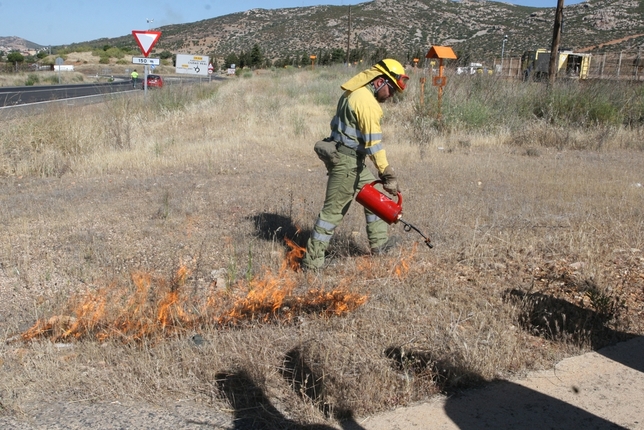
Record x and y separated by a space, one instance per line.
597 390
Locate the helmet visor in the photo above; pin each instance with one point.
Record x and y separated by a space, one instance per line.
401 81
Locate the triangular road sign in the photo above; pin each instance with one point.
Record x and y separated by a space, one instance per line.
146 40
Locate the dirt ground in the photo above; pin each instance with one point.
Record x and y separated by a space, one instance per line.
597 390
99 228
601 389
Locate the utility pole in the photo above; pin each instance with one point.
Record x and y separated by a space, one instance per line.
554 50
349 37
505 39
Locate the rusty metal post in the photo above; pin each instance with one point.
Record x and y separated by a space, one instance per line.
440 52
441 84
422 90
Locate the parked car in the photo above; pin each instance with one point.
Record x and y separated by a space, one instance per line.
154 81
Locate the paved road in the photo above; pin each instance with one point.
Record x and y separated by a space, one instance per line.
16 96
12 96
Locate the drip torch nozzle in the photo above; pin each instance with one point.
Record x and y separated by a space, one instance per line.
409 227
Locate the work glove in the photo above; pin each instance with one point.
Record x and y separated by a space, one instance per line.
389 180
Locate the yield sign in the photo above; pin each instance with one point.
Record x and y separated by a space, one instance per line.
146 40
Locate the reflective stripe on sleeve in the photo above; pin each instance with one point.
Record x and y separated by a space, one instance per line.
373 149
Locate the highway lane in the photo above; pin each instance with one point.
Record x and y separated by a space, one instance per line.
13 96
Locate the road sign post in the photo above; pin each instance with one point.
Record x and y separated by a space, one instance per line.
146 41
192 64
146 61
59 62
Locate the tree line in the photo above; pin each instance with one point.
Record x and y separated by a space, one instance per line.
256 59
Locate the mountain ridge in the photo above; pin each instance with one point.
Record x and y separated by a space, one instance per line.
474 28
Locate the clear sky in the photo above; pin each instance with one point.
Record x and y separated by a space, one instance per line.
59 22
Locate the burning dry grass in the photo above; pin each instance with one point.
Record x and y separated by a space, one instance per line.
153 308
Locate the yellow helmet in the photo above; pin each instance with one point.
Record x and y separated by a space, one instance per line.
394 71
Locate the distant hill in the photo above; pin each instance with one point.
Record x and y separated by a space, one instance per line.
404 29
17 43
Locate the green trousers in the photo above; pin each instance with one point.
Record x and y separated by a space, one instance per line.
346 178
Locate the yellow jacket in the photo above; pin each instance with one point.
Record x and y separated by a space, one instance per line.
356 123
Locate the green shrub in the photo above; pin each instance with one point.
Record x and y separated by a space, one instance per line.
485 103
32 79
472 114
115 53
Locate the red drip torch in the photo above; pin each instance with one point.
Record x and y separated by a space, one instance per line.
385 208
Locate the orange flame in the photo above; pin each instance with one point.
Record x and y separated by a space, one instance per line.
156 308
402 267
294 256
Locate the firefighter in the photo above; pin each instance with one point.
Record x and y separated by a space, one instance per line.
356 135
135 77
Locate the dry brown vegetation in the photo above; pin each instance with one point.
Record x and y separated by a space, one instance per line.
144 255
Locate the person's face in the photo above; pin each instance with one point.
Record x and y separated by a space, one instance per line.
386 91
